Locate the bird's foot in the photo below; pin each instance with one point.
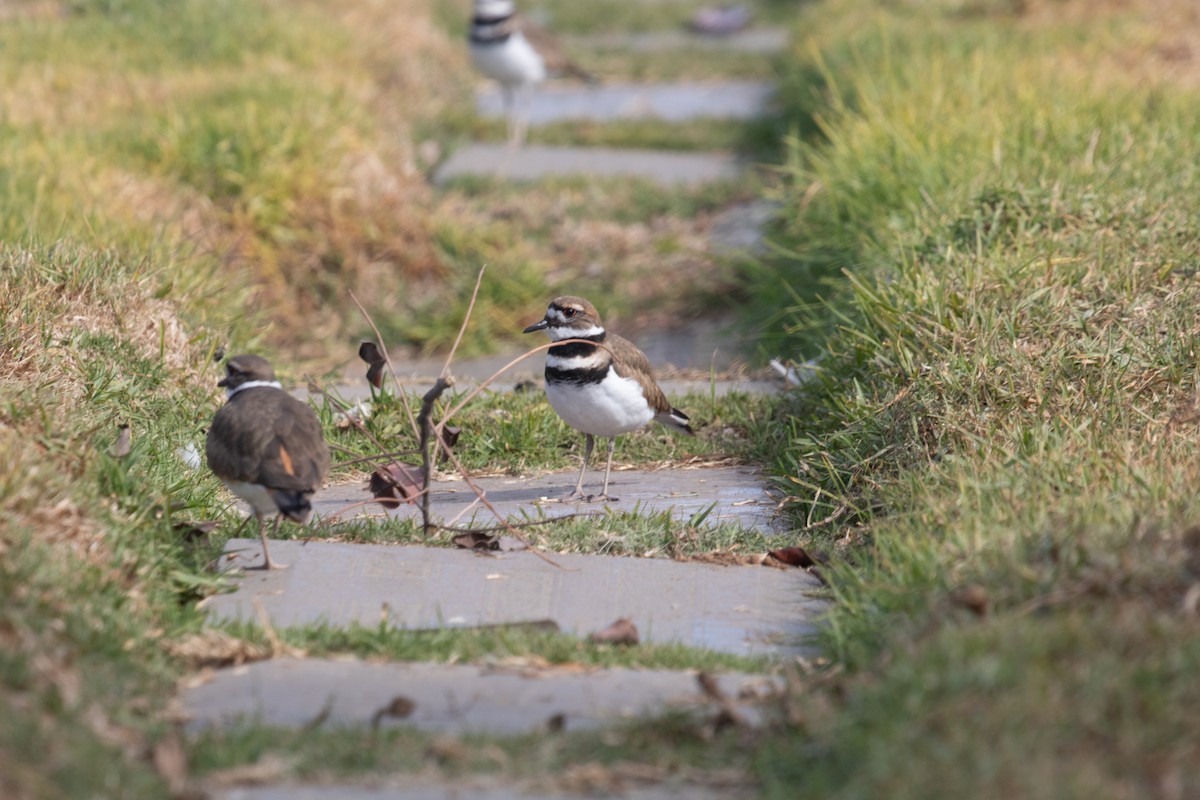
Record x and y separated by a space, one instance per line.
267 566
602 498
575 496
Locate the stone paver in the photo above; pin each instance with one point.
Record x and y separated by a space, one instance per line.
736 495
671 102
532 162
745 610
753 40
448 698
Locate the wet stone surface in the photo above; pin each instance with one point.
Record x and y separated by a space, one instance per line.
532 162
454 699
744 610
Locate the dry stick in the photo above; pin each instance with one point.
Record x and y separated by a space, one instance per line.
426 428
508 526
387 359
466 318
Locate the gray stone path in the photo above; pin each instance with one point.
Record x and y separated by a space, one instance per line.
737 495
753 40
452 699
532 162
671 102
744 610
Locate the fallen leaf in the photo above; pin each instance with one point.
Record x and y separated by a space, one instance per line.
974 598
478 540
556 723
474 540
797 557
450 436
623 631
399 708
394 483
369 352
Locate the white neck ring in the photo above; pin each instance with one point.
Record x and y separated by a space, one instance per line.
229 393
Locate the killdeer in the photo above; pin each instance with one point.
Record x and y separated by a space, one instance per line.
517 54
266 445
601 391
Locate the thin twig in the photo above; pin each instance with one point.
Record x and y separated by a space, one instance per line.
505 524
508 526
466 319
387 359
472 394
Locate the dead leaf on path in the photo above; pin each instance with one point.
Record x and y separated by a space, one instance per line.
478 540
474 540
215 648
726 559
399 708
623 631
395 483
557 723
369 352
798 557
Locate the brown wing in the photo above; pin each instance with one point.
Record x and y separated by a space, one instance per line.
551 51
630 362
271 439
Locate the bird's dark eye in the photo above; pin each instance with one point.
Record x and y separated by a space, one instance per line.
568 312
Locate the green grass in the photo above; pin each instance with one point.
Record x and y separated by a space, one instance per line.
998 215
675 746
613 16
518 432
483 644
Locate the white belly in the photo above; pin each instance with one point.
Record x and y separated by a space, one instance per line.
259 498
611 407
513 62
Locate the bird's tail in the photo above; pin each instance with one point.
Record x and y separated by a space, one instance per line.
292 504
675 419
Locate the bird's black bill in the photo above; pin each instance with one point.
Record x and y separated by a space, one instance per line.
537 326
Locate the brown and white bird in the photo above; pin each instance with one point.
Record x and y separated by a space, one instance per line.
519 55
601 391
266 446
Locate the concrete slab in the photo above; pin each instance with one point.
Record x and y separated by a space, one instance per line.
738 230
753 40
532 162
735 495
671 102
450 698
747 610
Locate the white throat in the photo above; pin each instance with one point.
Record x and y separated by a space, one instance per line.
229 393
